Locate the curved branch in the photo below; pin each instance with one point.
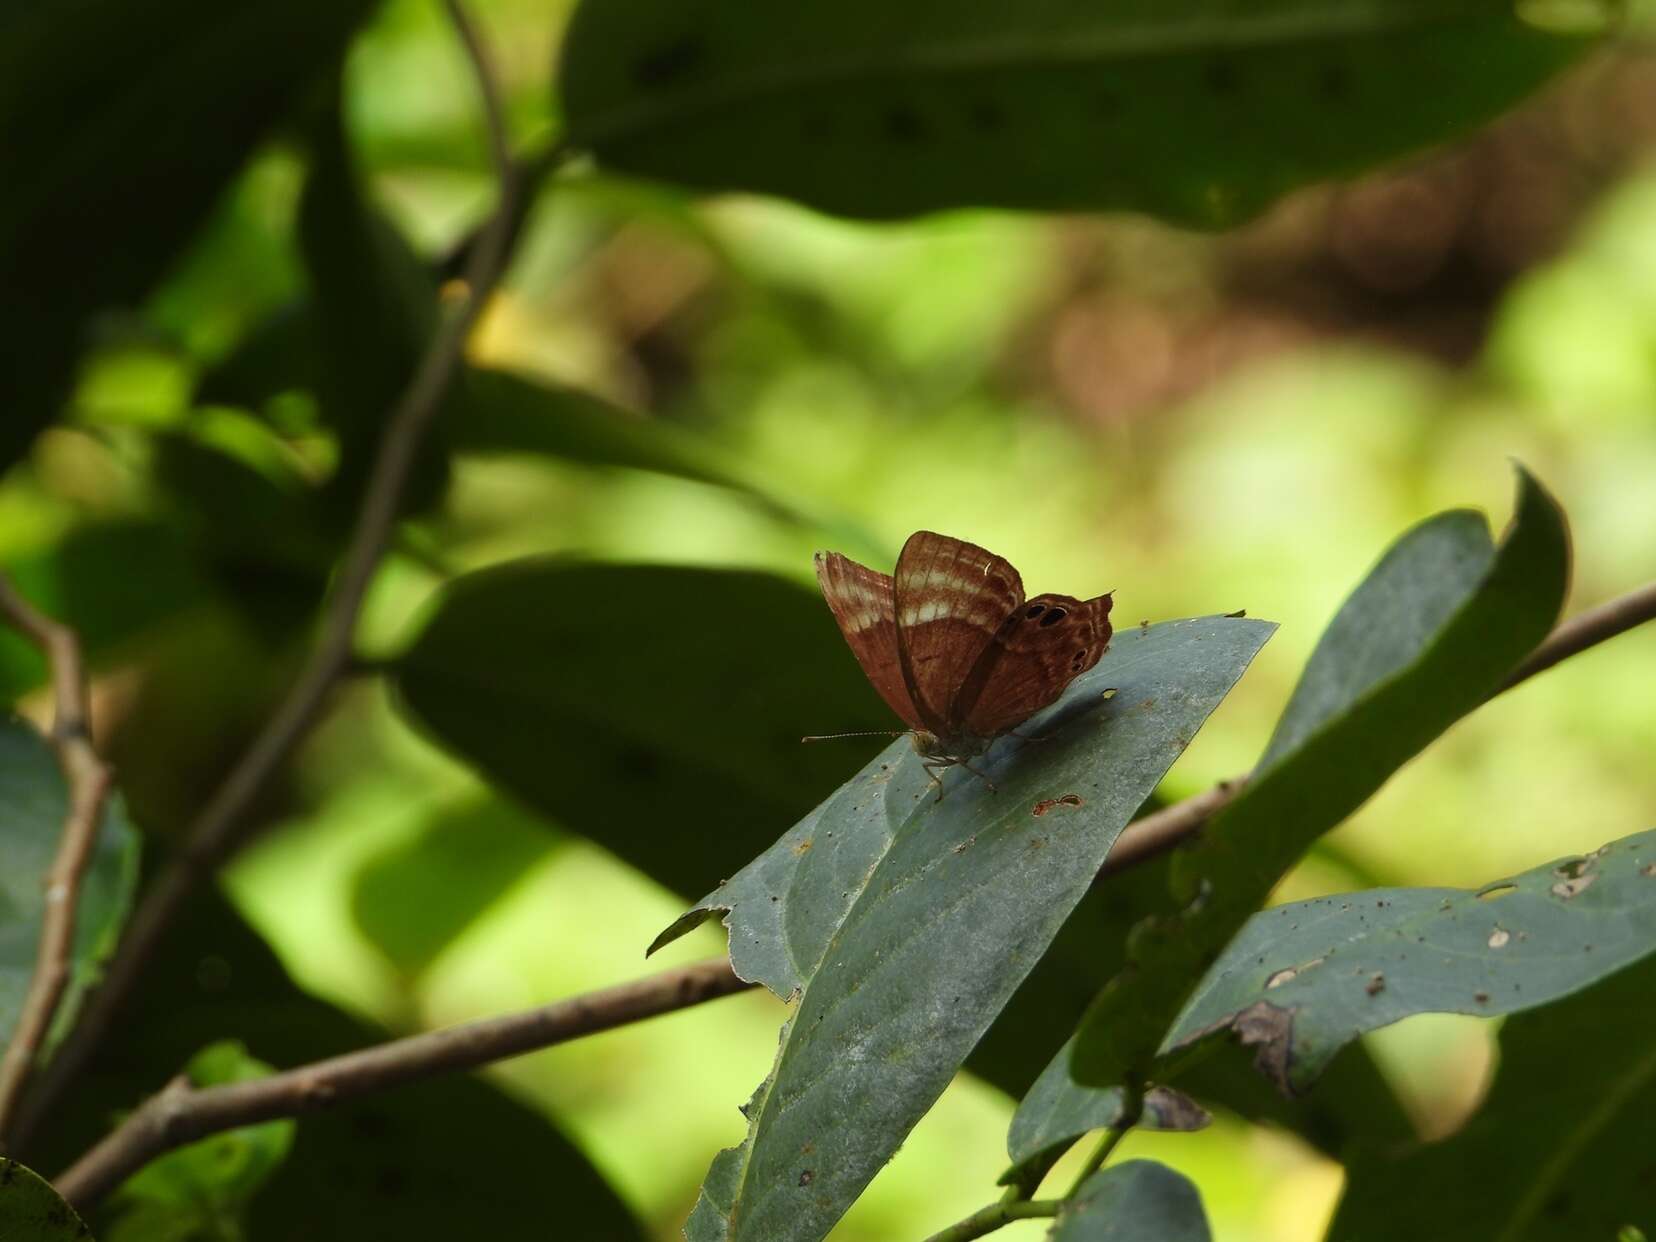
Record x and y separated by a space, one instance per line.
89 781
180 1113
221 827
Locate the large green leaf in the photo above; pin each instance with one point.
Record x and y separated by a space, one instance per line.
1433 630
1134 1201
31 1211
119 125
33 804
1201 111
1304 979
452 1157
655 710
1560 1150
903 922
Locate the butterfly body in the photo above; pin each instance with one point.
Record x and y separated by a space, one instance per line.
953 646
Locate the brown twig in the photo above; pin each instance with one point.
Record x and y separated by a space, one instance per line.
180 1114
89 780
222 827
1592 627
1160 832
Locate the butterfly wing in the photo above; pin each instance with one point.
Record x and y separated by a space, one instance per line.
951 598
1042 647
862 603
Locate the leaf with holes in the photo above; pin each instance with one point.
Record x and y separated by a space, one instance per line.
903 922
1302 980
1432 632
1560 1150
1134 1201
33 804
1201 111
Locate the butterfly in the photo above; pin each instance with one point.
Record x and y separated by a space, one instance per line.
952 645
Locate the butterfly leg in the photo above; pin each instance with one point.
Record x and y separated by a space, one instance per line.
979 775
932 770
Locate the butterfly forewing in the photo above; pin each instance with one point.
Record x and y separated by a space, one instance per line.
1042 647
862 603
951 598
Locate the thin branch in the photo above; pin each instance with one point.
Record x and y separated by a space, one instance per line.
995 1216
89 780
180 1114
1592 627
222 827
1132 1109
1156 834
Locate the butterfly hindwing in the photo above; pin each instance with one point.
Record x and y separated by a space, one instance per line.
1039 649
951 598
862 603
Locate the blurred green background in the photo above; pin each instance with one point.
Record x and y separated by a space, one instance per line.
1201 423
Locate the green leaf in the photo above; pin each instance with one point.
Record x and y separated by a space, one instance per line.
1560 1150
31 1211
202 1190
1201 111
453 1157
118 129
1304 979
1354 1098
1055 1113
904 922
1430 634
655 710
1134 1201
502 412
33 805
414 899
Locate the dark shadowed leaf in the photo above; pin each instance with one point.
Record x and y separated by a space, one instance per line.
33 802
31 1211
504 413
202 1189
1432 631
448 1158
1560 1150
119 125
85 580
1201 111
1302 980
1135 1201
655 710
904 922
414 899
375 308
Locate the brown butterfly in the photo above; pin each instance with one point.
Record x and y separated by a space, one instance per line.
952 645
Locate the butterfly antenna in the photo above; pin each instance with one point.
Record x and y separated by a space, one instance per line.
829 737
